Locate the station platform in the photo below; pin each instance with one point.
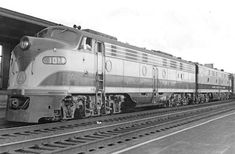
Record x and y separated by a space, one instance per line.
3 99
209 136
3 103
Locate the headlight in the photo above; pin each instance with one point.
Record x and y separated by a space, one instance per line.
14 103
24 43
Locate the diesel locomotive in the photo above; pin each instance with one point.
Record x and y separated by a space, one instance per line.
69 73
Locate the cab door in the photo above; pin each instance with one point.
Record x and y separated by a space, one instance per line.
100 60
100 74
100 57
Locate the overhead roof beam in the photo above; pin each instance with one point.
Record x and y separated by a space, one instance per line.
26 18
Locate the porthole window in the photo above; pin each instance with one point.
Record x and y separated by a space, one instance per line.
108 65
144 70
182 76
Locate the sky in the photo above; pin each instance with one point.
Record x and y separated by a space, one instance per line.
197 30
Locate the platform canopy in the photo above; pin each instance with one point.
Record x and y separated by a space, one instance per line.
14 25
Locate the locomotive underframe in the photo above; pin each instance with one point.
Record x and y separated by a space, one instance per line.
31 108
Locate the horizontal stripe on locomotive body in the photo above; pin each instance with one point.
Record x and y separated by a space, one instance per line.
38 91
210 86
139 56
213 91
91 90
147 60
50 91
69 78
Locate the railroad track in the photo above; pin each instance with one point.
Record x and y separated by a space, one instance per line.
101 134
8 127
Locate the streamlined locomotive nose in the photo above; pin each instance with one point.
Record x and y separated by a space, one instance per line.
30 47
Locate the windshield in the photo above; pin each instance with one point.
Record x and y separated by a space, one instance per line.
60 33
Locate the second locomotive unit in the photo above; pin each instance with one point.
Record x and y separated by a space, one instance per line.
66 73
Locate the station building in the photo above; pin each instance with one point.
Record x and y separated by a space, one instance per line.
13 26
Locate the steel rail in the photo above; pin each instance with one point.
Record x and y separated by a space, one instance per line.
69 139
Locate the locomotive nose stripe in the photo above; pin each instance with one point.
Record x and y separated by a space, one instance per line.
38 46
24 58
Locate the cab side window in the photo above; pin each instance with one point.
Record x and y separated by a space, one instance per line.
86 44
99 47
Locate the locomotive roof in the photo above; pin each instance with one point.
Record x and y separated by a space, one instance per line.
113 40
214 69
